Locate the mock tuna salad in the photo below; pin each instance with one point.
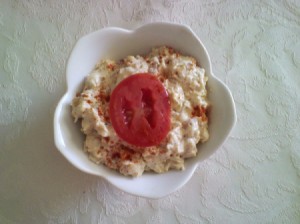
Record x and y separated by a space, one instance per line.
144 113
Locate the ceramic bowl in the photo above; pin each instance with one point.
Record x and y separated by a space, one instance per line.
116 43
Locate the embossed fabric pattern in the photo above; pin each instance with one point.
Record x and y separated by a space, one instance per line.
253 178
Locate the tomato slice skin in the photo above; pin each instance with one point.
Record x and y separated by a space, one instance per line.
140 110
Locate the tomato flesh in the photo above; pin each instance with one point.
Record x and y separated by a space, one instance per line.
140 110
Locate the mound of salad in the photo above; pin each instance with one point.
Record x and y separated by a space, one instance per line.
144 113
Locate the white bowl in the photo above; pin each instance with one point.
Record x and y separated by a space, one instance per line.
116 43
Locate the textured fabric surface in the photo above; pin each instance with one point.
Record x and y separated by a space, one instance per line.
253 178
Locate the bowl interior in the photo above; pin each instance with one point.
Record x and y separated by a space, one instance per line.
116 43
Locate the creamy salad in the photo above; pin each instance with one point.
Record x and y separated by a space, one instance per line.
185 83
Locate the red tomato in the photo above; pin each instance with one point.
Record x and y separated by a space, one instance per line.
140 110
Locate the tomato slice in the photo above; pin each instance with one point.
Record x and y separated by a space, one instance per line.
140 110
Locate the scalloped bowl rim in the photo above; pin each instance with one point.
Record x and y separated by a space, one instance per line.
86 53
